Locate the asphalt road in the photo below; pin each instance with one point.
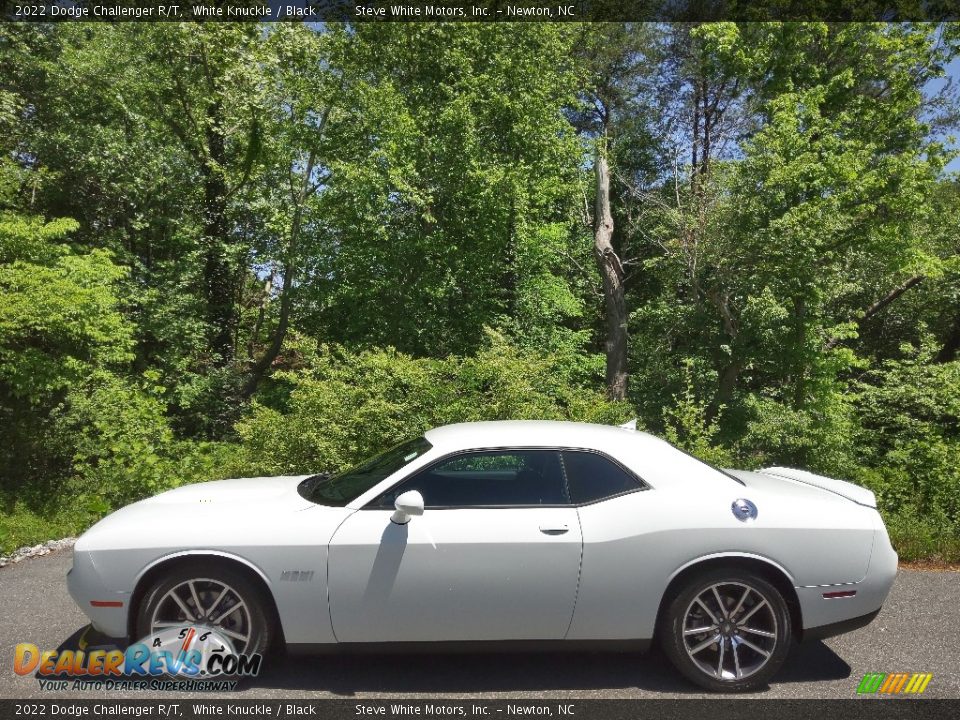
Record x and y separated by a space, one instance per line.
917 631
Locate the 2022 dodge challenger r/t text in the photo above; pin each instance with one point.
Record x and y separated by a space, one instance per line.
503 531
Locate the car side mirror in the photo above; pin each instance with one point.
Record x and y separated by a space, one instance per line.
408 504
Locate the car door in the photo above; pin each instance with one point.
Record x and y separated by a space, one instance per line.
628 544
619 595
495 555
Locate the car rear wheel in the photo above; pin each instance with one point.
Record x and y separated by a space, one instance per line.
204 595
727 631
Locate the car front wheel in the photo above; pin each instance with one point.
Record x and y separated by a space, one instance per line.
727 631
204 595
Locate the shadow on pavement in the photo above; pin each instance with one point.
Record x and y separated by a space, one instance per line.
813 661
73 642
424 674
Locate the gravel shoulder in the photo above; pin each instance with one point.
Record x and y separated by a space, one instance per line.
917 631
32 551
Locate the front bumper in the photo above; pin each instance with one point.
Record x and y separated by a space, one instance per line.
92 639
107 609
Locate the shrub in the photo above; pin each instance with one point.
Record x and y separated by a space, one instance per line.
349 405
909 437
919 537
120 441
687 425
817 438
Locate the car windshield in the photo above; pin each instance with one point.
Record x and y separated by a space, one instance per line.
339 489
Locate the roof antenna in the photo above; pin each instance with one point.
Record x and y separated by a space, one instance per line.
632 425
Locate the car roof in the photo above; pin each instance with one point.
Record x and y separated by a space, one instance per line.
535 433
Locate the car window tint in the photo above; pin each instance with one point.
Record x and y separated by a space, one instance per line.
592 477
488 478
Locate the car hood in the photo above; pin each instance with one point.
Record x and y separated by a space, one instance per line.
221 511
258 490
780 477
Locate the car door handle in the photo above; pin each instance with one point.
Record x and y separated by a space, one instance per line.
554 530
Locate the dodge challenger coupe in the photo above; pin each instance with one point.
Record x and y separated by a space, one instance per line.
523 533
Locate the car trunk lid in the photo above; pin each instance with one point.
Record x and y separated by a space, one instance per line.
857 494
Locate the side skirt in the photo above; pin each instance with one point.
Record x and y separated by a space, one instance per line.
460 647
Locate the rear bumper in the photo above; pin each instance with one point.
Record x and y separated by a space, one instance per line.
828 616
839 628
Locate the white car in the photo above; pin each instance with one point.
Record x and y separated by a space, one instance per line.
529 533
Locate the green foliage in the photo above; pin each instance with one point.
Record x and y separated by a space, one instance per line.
30 239
119 437
919 537
348 405
451 212
59 321
909 437
77 431
687 425
341 236
816 437
20 526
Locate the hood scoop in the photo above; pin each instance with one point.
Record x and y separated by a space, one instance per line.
857 494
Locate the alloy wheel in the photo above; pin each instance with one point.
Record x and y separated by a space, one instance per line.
208 602
730 631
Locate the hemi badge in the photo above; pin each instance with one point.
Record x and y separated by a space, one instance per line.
296 576
106 603
839 594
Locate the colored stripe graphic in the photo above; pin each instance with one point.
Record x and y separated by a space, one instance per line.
871 683
894 683
918 683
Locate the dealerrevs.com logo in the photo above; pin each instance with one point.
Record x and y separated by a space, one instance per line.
176 658
894 683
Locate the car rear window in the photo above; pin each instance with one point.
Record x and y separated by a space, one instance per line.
592 477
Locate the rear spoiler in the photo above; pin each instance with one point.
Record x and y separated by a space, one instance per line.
859 495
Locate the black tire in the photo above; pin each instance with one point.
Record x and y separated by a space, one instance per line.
256 623
737 662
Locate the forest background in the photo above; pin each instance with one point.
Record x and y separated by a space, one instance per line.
241 249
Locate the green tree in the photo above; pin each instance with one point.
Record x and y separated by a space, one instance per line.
769 259
60 319
447 208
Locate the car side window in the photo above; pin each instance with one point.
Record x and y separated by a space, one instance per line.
592 477
488 478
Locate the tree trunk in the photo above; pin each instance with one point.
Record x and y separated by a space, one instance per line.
510 265
261 366
695 145
261 316
800 361
218 279
881 304
949 350
707 128
726 387
612 273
